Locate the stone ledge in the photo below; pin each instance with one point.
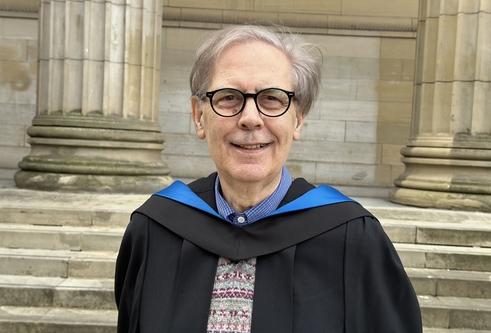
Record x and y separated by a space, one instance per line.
444 257
445 330
215 18
453 233
29 236
455 312
298 20
58 263
57 292
301 23
450 283
57 320
90 209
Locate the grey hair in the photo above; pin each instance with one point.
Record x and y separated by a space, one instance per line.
305 66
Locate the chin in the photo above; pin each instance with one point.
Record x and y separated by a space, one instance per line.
248 173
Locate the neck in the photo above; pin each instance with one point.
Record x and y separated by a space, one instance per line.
244 195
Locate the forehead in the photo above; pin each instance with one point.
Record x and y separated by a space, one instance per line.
251 65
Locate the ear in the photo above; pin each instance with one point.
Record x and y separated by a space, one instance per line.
197 116
298 126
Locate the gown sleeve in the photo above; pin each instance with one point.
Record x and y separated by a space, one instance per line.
130 267
379 296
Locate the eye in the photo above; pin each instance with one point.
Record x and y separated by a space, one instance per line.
267 98
273 99
229 98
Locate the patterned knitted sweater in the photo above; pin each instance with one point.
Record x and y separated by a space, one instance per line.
233 293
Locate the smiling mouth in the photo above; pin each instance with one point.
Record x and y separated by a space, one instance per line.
252 147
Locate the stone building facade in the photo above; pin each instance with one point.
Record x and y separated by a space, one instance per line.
362 117
367 110
353 135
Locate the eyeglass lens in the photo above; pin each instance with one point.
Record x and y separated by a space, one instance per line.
271 102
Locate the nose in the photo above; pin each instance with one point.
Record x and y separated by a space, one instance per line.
250 118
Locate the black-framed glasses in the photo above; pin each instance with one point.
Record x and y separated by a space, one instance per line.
229 102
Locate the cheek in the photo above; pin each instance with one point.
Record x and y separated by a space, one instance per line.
214 135
207 125
288 131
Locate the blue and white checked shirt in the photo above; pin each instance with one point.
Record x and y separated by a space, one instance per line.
261 210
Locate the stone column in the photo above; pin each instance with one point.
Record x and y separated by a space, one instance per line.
448 156
96 126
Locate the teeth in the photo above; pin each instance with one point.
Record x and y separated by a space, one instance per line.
252 146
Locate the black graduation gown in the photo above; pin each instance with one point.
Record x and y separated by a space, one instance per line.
325 269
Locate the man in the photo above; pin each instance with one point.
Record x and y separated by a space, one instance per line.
249 249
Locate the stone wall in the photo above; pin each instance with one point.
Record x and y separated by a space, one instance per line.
18 73
362 119
351 137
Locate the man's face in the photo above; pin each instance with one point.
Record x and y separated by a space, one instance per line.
249 147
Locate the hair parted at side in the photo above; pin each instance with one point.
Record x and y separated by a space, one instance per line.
305 65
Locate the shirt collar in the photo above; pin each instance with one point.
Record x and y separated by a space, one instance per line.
257 212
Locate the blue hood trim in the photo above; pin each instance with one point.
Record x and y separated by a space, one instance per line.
320 196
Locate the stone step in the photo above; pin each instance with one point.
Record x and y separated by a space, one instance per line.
448 313
56 320
90 238
445 257
448 283
98 293
74 209
58 250
65 263
35 291
438 233
60 237
95 209
57 216
383 209
445 330
455 312
57 263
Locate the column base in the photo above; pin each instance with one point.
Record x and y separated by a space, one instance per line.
44 181
443 177
442 200
84 159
